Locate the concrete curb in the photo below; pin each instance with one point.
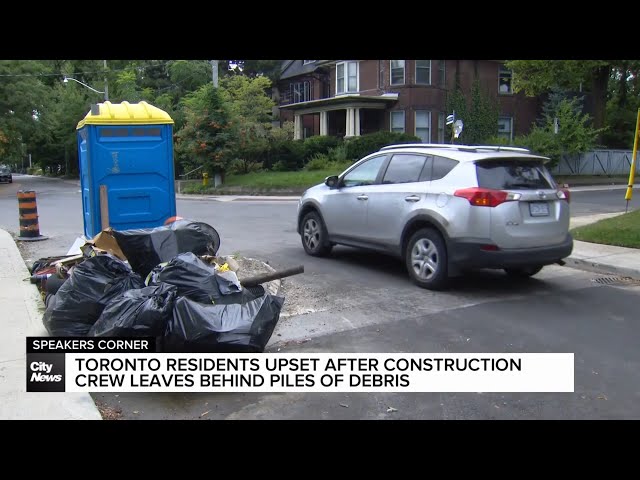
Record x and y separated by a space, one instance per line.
236 198
23 309
600 258
602 268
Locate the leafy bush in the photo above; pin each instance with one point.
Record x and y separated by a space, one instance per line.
287 154
358 147
319 144
280 166
339 154
498 141
198 188
240 166
320 161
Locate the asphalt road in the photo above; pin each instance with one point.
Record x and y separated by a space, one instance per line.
362 302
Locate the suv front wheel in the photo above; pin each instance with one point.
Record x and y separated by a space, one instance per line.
426 259
314 235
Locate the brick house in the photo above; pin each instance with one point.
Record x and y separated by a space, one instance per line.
353 97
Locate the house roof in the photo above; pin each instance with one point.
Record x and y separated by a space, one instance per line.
294 68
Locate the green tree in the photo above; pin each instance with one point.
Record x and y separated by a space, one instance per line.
254 68
23 94
479 114
535 77
247 97
56 142
250 108
126 88
575 133
202 140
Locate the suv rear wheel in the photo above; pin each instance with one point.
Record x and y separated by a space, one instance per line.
426 259
314 235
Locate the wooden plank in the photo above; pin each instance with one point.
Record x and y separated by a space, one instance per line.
104 207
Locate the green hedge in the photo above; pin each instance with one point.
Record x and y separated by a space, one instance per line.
291 155
319 145
358 147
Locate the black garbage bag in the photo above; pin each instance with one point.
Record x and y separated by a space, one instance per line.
137 313
81 298
237 328
199 281
148 247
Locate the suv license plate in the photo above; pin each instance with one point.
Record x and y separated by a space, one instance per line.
539 209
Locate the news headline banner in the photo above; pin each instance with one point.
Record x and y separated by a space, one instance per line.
56 365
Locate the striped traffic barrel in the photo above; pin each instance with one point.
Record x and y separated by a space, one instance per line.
28 209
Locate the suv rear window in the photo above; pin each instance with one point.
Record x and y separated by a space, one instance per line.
513 174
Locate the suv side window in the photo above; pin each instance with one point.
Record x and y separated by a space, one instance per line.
364 174
404 168
441 167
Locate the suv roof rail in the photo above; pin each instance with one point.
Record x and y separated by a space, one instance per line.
468 148
419 145
499 148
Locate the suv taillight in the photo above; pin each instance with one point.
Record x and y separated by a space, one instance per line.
485 197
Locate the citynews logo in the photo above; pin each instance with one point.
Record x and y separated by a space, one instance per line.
42 372
45 372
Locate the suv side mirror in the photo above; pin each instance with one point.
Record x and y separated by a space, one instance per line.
332 181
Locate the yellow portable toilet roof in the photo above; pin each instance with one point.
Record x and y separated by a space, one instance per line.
126 113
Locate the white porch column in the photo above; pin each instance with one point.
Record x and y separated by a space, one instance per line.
324 124
357 122
349 123
297 127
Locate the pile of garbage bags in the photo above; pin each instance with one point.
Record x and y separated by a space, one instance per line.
164 282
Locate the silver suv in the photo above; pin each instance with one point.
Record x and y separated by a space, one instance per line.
443 209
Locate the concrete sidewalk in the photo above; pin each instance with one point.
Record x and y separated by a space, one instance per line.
22 311
600 258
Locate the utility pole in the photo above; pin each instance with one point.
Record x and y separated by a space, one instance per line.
214 68
106 83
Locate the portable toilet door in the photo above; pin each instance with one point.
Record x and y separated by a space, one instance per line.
127 175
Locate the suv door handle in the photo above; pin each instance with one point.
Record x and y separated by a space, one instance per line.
362 197
412 198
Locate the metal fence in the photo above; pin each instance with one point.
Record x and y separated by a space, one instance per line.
597 162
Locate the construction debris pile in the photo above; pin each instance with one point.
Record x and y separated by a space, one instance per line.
165 282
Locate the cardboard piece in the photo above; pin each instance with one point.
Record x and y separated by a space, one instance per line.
106 242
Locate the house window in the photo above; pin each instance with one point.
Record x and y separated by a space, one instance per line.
504 80
300 92
423 72
397 121
346 77
307 62
441 127
423 125
442 73
397 72
505 128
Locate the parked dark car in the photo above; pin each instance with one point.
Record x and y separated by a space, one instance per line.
5 174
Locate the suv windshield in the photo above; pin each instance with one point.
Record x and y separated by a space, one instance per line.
4 170
513 174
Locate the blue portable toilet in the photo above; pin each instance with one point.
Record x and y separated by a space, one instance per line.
127 177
